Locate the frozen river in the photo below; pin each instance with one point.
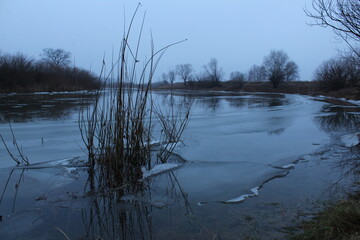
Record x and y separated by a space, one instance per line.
246 156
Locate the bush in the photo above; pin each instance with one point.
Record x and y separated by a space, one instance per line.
19 73
237 79
205 81
336 73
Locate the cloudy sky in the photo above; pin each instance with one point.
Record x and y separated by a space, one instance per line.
238 33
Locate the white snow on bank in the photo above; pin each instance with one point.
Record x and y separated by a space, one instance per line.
160 168
350 140
355 102
255 192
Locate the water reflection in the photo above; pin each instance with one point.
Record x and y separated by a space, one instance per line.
237 102
341 119
212 104
277 132
28 107
120 213
130 216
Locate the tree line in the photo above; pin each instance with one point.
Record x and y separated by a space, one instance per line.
342 71
276 68
343 16
52 72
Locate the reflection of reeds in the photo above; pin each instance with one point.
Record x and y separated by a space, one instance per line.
105 220
117 129
339 121
23 159
17 185
130 217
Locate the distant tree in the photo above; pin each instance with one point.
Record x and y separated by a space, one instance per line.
57 58
184 71
213 71
257 74
343 16
238 78
352 65
291 71
337 73
18 73
164 78
172 76
279 68
20 62
331 75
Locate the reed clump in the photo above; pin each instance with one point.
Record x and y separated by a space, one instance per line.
118 129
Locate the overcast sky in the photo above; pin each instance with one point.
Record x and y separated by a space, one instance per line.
238 33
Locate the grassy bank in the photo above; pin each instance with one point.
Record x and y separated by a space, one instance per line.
296 87
340 221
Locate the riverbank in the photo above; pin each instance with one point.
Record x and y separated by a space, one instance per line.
298 87
255 165
336 217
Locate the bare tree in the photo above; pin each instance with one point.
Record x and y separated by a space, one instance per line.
331 75
164 78
279 68
257 74
343 16
171 76
291 71
238 78
184 71
213 71
57 58
337 73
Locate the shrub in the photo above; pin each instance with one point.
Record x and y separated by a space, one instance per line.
238 79
19 73
337 73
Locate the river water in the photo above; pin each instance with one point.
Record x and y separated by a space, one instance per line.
251 165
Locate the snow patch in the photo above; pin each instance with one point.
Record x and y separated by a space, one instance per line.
160 168
255 192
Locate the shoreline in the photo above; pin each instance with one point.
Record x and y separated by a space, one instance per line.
299 87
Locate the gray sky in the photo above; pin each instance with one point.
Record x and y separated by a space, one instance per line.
238 33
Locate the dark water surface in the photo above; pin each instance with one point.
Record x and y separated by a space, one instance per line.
254 164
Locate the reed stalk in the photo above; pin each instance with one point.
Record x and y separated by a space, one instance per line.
118 128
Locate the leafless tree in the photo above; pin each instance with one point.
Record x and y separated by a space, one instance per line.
343 16
171 76
238 78
257 74
213 71
278 66
57 58
331 74
291 71
164 78
338 73
184 71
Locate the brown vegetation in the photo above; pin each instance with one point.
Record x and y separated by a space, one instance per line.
19 73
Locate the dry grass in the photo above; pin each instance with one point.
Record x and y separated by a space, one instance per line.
340 221
118 128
